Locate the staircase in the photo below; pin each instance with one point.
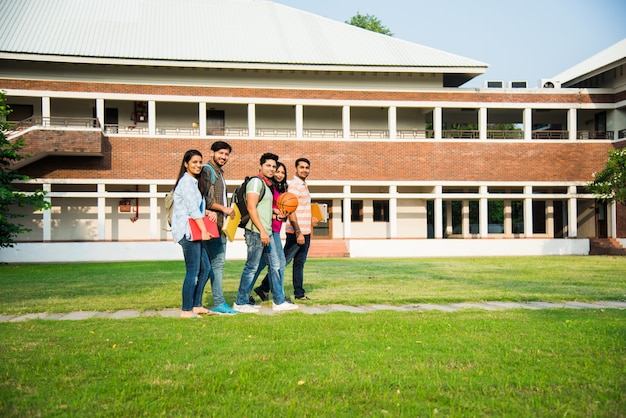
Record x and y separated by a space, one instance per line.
605 246
328 248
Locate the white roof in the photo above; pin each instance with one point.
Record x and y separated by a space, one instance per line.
597 63
207 31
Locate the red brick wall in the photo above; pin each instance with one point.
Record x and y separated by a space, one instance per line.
159 158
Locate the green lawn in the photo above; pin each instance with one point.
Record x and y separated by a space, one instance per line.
513 363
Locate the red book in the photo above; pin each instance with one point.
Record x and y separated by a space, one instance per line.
196 234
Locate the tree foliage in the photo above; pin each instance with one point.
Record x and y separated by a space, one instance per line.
609 185
10 196
369 22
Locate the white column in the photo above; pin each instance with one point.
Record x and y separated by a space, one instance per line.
465 221
251 120
47 215
299 121
528 212
483 216
550 218
393 212
45 111
154 215
345 121
482 123
392 122
347 207
438 226
151 117
528 123
202 118
437 121
612 219
572 214
101 212
572 124
100 112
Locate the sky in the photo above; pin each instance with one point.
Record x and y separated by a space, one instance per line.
520 40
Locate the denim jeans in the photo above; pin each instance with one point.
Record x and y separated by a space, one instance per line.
216 249
277 251
197 272
297 253
256 252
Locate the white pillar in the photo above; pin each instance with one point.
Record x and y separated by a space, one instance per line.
154 215
251 120
299 121
483 216
152 117
100 112
101 212
45 111
482 123
465 221
572 214
345 121
392 122
202 118
528 123
47 215
393 212
437 121
528 212
438 226
347 207
572 124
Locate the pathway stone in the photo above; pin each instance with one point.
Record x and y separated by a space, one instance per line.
322 309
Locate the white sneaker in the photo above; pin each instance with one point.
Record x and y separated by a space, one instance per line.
285 306
245 308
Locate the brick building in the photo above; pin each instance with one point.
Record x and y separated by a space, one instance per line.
405 160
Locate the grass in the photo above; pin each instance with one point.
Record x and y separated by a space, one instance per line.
513 363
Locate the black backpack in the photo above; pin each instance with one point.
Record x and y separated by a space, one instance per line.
239 199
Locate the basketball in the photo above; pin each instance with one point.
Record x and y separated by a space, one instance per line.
287 202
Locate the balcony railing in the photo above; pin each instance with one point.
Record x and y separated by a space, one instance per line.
236 131
594 135
369 133
415 133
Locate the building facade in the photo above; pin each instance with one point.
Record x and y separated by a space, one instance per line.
401 154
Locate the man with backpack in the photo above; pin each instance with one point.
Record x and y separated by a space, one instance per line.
216 200
258 231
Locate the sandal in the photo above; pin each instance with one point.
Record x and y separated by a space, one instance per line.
188 314
305 297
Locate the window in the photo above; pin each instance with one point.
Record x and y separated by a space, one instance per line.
356 213
381 210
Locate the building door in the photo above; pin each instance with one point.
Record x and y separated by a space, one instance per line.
323 229
600 125
601 221
215 122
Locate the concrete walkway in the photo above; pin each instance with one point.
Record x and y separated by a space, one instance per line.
321 309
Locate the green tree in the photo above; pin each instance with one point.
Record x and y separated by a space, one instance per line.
609 185
369 22
10 196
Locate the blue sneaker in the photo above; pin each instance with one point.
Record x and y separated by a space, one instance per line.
224 309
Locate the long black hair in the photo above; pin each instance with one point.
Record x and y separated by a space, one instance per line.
280 186
186 158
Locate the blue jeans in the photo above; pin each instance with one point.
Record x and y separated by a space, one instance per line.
297 253
256 252
197 268
277 251
216 249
